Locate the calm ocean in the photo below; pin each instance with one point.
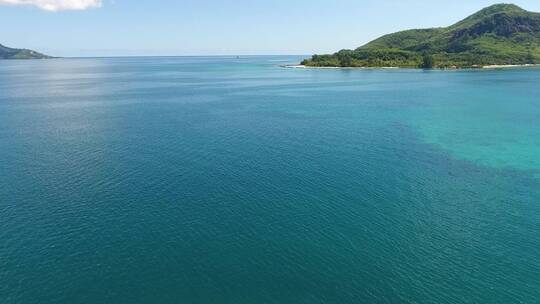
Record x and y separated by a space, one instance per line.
209 180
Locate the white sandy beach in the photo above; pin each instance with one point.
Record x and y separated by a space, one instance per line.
495 66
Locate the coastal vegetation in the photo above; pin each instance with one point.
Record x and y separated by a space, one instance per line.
11 53
502 34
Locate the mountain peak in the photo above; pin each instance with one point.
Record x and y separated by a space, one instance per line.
498 9
502 7
489 12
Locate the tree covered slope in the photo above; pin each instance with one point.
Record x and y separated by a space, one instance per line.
10 53
501 34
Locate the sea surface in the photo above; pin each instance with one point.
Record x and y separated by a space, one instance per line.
209 180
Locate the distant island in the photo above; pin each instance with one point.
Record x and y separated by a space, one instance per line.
502 34
11 53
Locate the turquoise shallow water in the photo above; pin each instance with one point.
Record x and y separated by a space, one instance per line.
224 180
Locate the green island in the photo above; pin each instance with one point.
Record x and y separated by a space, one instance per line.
11 53
502 34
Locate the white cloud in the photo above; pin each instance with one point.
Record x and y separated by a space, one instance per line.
56 5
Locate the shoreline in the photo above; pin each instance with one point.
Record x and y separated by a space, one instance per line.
486 67
508 66
300 66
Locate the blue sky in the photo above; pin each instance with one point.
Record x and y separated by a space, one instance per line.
199 27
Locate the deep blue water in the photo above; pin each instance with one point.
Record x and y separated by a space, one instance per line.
224 180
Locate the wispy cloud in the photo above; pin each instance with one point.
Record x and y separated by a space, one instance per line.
56 5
